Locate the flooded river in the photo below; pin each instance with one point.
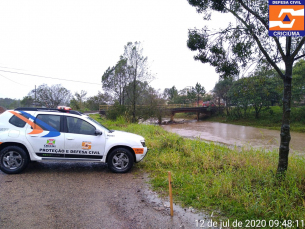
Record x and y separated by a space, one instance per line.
237 135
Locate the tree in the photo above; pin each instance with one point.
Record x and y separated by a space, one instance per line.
27 101
93 102
136 71
129 72
170 93
80 98
115 79
198 90
239 97
9 103
183 96
258 91
142 89
153 102
221 90
52 96
156 102
207 97
191 95
247 41
263 92
298 84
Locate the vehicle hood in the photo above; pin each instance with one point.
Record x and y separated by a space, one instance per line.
124 136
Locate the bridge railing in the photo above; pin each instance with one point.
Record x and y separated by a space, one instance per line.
168 106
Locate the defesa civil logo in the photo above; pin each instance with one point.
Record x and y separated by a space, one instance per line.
286 18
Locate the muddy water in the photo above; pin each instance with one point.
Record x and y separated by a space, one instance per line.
237 135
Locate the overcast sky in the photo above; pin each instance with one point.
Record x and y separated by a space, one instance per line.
80 39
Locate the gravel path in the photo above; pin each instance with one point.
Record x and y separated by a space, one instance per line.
83 195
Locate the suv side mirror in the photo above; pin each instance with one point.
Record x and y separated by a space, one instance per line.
98 132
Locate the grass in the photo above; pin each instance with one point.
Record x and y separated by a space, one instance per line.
269 119
236 184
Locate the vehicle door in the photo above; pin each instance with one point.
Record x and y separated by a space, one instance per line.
81 140
45 135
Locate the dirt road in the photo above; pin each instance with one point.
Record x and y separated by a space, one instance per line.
83 195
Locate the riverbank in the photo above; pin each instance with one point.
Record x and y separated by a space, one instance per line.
235 135
234 184
269 119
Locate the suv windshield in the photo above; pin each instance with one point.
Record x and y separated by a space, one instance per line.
96 122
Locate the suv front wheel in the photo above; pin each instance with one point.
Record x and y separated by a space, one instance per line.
120 160
13 159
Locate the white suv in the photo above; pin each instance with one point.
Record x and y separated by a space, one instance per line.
35 134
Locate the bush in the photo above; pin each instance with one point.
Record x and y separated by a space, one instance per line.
298 114
117 111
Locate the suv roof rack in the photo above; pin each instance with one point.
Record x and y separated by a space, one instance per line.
47 109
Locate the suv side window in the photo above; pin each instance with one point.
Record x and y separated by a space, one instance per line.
79 126
14 120
51 120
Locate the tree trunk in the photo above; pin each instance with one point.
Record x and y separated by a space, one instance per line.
134 103
123 100
257 110
227 107
285 129
219 105
134 95
120 99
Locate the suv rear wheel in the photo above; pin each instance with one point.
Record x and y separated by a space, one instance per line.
120 160
13 159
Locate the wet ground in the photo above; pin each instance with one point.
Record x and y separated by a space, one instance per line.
85 195
88 195
236 135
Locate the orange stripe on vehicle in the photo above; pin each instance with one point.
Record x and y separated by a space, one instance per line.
0 143
36 129
138 150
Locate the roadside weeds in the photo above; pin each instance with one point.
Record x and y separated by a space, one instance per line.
234 184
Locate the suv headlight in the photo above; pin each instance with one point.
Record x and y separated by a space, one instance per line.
143 143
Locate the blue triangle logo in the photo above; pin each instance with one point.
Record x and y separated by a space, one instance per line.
286 18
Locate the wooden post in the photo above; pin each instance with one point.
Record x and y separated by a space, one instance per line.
170 193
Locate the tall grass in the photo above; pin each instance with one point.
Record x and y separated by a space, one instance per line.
239 184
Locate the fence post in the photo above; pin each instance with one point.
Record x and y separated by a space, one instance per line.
170 193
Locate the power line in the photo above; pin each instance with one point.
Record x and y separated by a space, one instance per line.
12 68
48 77
14 81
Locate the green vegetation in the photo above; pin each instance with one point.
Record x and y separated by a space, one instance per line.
270 118
240 184
187 95
9 103
129 77
235 48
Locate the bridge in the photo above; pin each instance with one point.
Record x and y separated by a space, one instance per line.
173 109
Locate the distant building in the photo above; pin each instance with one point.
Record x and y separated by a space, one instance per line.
2 109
